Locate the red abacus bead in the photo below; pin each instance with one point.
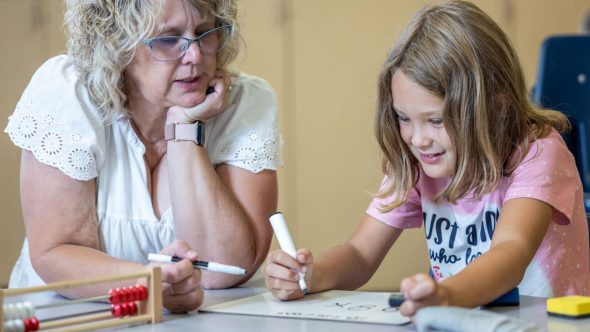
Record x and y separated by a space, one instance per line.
132 308
112 296
116 310
120 298
121 295
137 292
132 294
124 295
143 292
128 308
34 324
27 323
31 324
124 309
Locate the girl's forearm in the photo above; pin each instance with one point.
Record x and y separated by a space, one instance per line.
341 267
488 277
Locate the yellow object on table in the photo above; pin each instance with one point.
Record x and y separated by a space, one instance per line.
574 306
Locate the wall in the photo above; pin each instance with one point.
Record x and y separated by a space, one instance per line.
322 57
31 34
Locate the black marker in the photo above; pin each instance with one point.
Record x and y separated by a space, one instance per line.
396 299
203 265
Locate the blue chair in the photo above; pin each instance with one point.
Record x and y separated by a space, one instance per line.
563 84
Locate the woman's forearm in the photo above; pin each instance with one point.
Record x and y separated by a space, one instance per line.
72 262
208 215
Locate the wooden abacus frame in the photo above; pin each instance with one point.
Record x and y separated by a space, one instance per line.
149 310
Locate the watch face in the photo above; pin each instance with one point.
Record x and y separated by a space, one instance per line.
199 133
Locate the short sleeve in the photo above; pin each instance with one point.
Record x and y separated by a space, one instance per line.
246 135
408 215
548 173
55 120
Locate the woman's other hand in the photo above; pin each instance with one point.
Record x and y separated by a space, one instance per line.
281 273
420 291
215 102
181 282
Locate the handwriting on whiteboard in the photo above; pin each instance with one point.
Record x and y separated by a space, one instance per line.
366 307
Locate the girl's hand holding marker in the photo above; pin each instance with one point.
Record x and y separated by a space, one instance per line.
285 275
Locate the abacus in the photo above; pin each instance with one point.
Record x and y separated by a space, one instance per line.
129 305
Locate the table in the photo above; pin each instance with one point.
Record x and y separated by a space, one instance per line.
531 309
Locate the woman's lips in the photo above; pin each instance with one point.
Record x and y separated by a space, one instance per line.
189 83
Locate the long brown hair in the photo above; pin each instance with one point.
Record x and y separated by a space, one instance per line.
457 52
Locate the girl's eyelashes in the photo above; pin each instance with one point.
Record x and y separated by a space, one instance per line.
436 121
403 119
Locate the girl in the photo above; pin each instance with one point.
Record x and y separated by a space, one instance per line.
466 156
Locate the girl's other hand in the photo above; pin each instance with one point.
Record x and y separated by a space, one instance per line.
420 291
181 282
281 273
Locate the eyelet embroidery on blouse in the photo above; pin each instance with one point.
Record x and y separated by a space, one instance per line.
27 127
53 142
255 152
81 160
271 149
247 155
225 150
76 137
48 120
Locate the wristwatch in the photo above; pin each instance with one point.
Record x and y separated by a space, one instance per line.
185 132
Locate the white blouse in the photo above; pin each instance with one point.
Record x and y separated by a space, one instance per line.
58 123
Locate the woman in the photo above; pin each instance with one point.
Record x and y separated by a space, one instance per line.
115 164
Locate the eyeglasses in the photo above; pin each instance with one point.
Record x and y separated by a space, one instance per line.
170 48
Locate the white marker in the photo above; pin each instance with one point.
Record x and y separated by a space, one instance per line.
203 265
279 226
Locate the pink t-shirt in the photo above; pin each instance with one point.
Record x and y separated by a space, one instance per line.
458 234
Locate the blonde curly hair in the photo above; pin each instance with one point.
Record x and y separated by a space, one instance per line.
102 36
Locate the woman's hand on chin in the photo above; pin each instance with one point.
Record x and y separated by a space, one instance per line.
216 101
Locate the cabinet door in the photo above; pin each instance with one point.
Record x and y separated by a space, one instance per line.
28 38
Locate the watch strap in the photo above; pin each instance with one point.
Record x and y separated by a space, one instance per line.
185 132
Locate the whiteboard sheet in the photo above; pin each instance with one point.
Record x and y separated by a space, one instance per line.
350 306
